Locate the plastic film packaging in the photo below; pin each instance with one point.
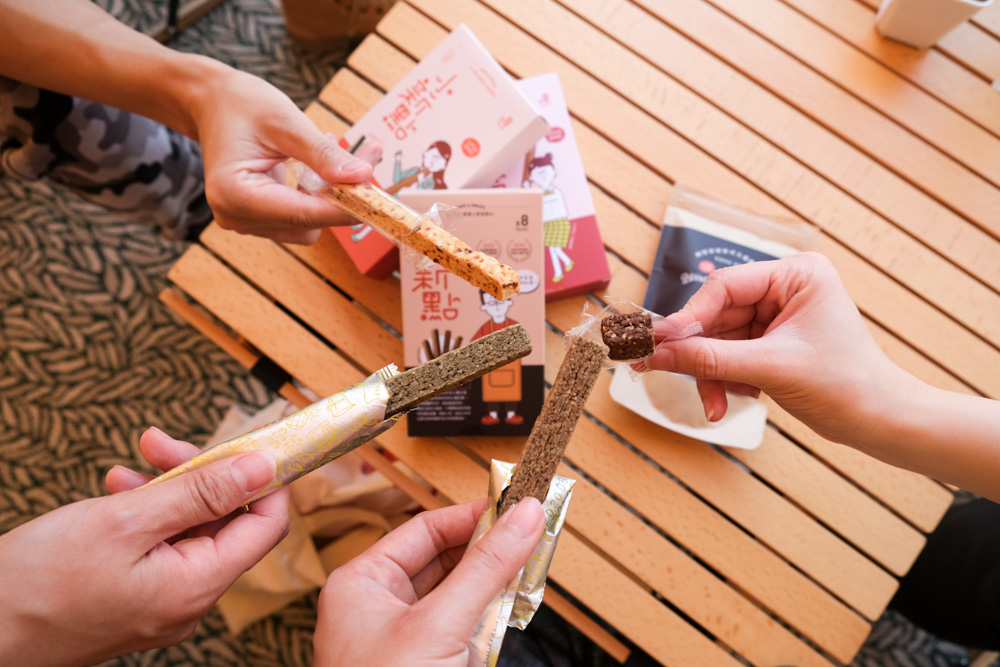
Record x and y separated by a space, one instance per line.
408 228
517 603
590 327
312 436
309 181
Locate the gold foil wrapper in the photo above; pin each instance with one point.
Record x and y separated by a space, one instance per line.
517 603
311 437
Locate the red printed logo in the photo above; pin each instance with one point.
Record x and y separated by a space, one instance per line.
706 266
470 147
555 135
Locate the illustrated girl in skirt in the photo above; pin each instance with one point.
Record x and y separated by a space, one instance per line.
558 228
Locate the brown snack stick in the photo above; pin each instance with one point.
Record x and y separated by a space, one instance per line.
383 211
628 335
552 430
455 368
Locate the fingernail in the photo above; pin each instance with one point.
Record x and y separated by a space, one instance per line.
256 469
709 412
747 390
352 165
160 434
525 516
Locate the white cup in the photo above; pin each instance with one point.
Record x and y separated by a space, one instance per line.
921 23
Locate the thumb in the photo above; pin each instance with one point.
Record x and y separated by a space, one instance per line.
204 494
325 156
712 359
461 598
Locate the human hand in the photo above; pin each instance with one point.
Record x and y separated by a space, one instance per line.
412 599
788 328
135 570
247 129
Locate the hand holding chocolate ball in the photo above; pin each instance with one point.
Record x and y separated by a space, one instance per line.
790 329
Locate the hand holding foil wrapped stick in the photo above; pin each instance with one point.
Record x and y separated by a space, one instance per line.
413 599
135 570
337 424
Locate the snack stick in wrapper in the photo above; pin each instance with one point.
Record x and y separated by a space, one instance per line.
381 210
337 424
376 207
552 430
312 436
516 604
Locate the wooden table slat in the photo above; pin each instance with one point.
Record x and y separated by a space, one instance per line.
525 56
799 85
873 83
849 512
988 18
628 126
970 45
930 69
975 48
277 273
837 158
215 286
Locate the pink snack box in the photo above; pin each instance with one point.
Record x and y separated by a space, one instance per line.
442 312
575 260
456 121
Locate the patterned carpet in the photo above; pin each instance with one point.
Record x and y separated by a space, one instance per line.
89 358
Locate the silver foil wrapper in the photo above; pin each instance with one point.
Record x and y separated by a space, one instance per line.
311 437
515 605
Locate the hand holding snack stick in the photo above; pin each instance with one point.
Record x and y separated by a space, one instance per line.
246 126
790 329
378 208
412 598
135 570
341 422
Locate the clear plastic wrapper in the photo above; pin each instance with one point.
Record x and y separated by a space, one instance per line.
302 176
312 436
590 327
408 228
517 603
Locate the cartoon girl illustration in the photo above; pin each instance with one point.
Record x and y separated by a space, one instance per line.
429 175
541 173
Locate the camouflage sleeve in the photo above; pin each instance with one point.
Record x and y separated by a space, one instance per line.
119 160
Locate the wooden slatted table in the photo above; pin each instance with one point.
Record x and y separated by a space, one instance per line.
794 109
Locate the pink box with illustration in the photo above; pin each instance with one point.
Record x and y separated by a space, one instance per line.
575 259
455 121
442 312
